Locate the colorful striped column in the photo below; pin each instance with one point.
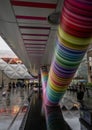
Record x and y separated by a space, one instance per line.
53 115
73 37
44 78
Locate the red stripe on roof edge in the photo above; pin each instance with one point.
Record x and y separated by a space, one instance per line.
30 17
27 34
36 50
34 44
30 27
33 4
33 40
35 47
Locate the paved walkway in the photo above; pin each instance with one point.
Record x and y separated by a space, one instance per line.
10 104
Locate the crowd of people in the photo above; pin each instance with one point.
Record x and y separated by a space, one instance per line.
13 86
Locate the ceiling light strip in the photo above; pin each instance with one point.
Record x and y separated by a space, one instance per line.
33 4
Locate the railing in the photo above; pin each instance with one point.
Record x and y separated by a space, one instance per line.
22 126
15 118
25 115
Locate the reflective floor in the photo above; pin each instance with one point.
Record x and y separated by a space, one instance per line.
71 110
10 104
71 115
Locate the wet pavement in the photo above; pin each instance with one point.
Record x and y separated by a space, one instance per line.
71 110
11 103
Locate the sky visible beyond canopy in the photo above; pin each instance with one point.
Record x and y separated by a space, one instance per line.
3 45
5 50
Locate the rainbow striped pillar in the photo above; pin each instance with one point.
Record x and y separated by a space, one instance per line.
73 37
44 78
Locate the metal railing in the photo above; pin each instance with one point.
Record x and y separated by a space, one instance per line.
22 126
25 116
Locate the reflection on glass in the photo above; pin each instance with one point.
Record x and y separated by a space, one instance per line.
8 102
54 119
84 125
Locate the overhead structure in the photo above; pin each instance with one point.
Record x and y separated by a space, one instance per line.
25 27
29 28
